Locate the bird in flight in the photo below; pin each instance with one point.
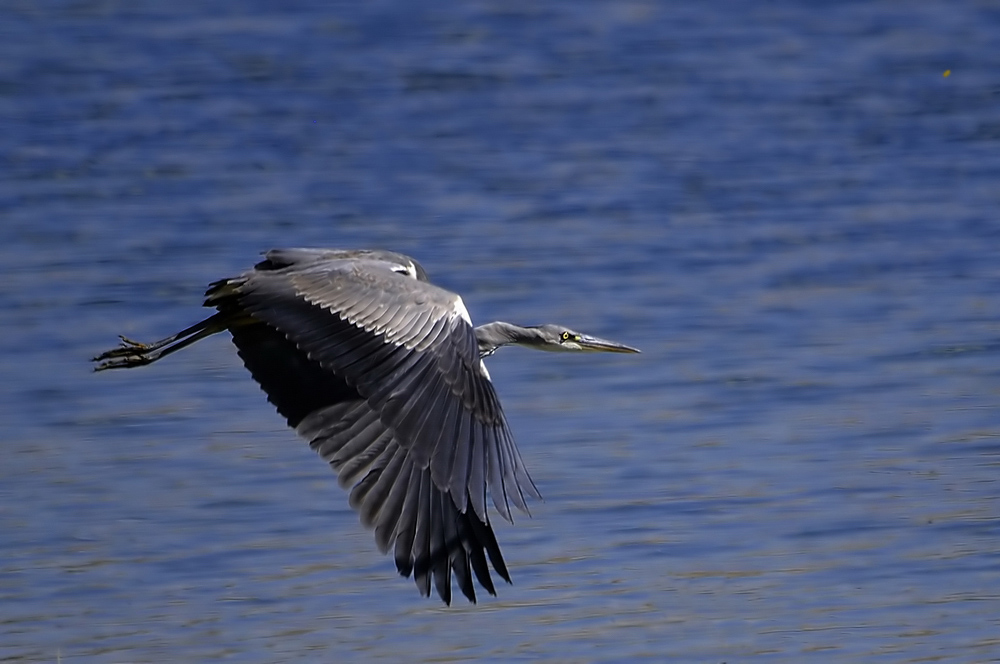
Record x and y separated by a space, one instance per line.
382 372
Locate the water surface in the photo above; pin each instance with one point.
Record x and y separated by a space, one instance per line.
788 206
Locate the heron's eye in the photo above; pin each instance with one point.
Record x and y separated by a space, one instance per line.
566 336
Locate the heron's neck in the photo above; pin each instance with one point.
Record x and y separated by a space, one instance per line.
498 333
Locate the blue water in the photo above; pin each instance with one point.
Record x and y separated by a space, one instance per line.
790 207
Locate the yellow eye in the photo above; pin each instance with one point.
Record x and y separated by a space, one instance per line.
566 336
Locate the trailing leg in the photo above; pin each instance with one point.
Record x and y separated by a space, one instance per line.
135 354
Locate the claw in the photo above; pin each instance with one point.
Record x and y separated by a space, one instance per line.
128 343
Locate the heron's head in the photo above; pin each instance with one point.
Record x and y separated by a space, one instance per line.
562 339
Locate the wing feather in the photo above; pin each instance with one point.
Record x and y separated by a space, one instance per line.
477 559
385 318
443 460
507 461
459 474
351 468
360 492
494 474
439 557
407 526
458 556
421 552
476 482
392 507
376 498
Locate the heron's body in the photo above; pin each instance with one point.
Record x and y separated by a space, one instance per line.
382 372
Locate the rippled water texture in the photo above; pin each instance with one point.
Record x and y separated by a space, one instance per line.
790 207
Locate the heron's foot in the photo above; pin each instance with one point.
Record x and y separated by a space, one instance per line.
118 360
129 354
127 348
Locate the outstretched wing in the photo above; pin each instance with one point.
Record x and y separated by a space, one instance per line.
429 536
380 372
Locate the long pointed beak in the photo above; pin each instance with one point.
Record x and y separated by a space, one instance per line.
596 344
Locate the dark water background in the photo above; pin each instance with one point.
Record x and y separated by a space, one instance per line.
787 205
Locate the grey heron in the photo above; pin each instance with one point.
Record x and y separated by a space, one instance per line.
382 372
